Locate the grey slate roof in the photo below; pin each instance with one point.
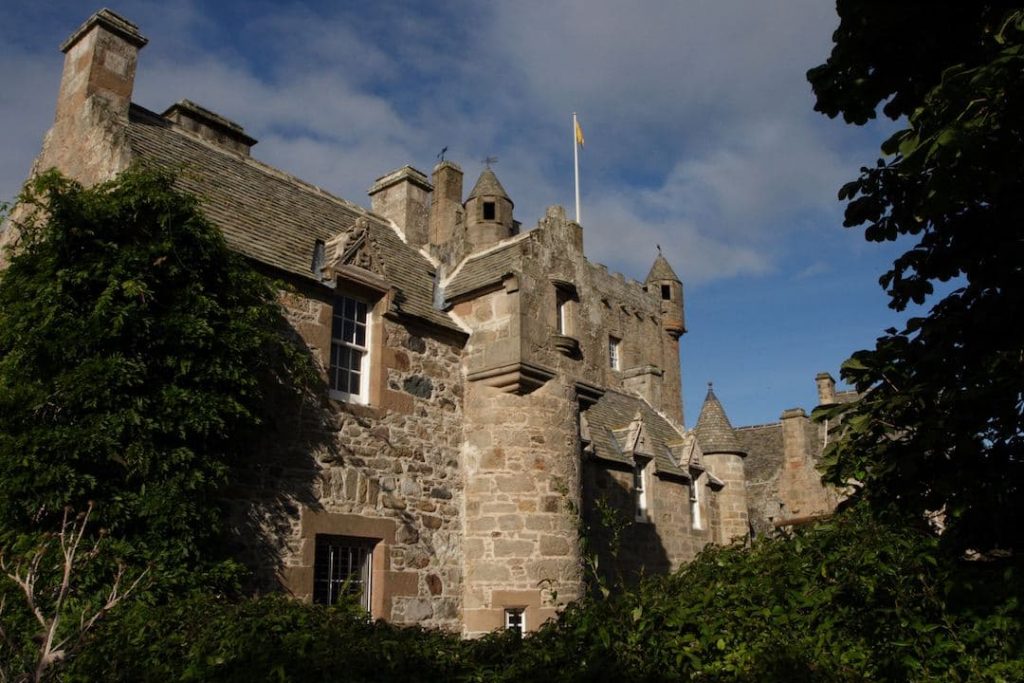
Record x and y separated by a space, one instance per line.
487 185
661 270
486 269
609 420
714 432
274 218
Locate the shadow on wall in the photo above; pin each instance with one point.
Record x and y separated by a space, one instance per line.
280 476
625 550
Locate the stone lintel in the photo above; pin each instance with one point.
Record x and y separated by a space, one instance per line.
513 378
587 394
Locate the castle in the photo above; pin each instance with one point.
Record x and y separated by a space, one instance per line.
491 391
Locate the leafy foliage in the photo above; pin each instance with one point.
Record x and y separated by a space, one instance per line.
136 353
941 426
856 598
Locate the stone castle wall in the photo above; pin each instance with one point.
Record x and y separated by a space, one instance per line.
389 472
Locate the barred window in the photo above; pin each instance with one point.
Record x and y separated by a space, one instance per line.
342 566
349 350
515 619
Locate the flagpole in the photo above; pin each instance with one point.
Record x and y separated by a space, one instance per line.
576 163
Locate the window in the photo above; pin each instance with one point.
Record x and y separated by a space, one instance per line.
640 490
614 361
515 619
562 300
341 566
489 212
350 358
698 523
666 292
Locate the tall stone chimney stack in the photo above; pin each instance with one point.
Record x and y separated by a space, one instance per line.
404 197
826 389
99 62
447 217
88 140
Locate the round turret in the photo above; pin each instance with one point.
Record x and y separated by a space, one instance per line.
488 212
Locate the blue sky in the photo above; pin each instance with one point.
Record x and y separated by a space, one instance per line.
699 123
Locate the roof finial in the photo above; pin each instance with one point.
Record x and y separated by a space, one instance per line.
490 160
659 249
442 152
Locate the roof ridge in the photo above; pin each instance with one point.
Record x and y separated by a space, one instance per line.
261 165
507 242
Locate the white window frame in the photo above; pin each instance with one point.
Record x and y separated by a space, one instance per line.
695 517
614 352
641 490
363 396
513 613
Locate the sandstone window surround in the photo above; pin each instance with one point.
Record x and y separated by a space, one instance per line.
343 565
351 339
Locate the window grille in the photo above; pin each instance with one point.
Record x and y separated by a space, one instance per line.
515 619
342 566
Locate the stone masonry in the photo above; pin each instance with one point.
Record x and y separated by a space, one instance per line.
490 397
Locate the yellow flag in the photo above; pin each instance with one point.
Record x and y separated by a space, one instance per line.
579 134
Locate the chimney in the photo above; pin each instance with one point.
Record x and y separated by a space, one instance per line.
210 126
447 220
403 196
826 389
88 140
99 61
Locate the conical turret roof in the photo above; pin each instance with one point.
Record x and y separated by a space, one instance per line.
714 432
661 270
487 185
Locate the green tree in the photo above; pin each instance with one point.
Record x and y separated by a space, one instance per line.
941 426
136 356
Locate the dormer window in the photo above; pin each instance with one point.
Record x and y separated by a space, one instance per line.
490 213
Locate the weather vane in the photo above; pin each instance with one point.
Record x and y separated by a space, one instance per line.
441 153
490 160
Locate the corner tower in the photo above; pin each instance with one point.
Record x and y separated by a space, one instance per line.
666 286
724 457
488 212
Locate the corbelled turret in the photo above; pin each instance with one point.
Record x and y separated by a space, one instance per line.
723 457
663 281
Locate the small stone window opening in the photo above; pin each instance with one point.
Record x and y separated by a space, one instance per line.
489 211
342 567
563 311
666 292
695 517
640 492
515 619
350 358
614 353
